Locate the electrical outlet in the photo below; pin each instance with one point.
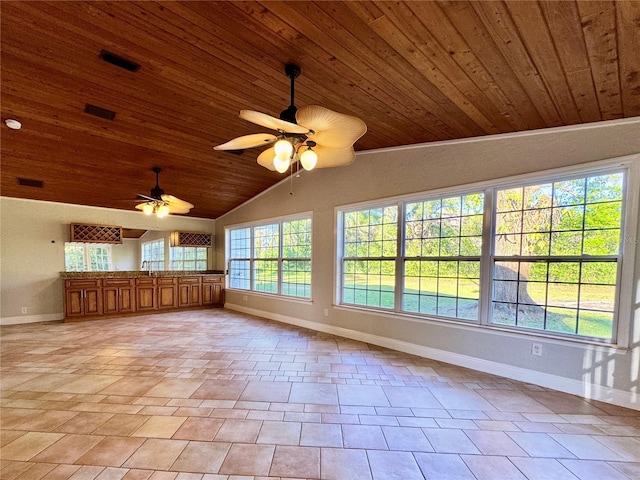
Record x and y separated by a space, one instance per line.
25 310
536 349
326 312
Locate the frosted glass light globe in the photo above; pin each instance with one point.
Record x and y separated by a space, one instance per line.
308 159
280 165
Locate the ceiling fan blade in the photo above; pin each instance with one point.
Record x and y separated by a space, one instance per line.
334 157
139 206
273 123
247 141
331 129
266 159
146 197
176 205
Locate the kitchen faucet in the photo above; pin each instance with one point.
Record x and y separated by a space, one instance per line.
146 265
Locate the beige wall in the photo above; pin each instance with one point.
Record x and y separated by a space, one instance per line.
32 237
602 372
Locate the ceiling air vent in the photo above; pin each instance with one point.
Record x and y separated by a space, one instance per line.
30 182
99 112
119 61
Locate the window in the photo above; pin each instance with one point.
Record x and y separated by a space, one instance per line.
296 258
443 244
273 258
81 257
550 253
153 255
188 258
556 255
370 250
240 258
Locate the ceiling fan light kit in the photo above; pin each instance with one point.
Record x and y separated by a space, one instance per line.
161 204
314 136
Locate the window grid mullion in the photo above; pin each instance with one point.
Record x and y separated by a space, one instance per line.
400 257
486 258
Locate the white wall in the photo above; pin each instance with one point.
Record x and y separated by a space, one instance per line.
125 256
607 373
32 237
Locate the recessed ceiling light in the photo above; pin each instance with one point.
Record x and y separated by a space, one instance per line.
13 124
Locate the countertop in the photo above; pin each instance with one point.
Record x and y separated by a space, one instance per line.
137 273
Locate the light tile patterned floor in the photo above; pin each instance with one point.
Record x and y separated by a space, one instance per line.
217 395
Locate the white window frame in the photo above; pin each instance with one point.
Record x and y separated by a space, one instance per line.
188 265
153 263
86 253
629 165
280 259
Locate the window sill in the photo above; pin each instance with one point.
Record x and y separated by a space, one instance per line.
547 337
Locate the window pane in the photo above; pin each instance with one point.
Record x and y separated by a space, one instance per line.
296 239
99 258
266 241
240 243
371 233
74 258
265 276
365 281
239 274
444 288
296 278
188 258
556 296
153 255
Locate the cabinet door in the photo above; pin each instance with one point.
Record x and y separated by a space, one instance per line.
184 295
110 300
212 290
217 294
207 294
127 300
74 302
146 297
146 293
93 301
167 296
194 295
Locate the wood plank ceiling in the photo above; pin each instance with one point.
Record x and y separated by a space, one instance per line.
414 71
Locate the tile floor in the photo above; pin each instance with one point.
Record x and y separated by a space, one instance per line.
214 394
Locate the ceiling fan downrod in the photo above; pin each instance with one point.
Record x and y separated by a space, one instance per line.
157 192
292 71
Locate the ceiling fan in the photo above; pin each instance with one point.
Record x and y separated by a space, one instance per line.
160 203
315 136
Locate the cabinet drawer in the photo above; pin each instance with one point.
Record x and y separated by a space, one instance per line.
83 283
166 280
117 282
212 279
189 280
145 281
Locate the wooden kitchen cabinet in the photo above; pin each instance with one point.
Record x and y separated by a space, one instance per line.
167 292
118 295
189 291
146 294
212 290
83 297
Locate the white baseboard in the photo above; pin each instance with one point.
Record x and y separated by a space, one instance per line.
50 317
576 387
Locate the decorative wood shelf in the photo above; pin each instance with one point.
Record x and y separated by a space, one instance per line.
190 239
95 233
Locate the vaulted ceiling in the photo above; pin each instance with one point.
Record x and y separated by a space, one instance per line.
413 71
